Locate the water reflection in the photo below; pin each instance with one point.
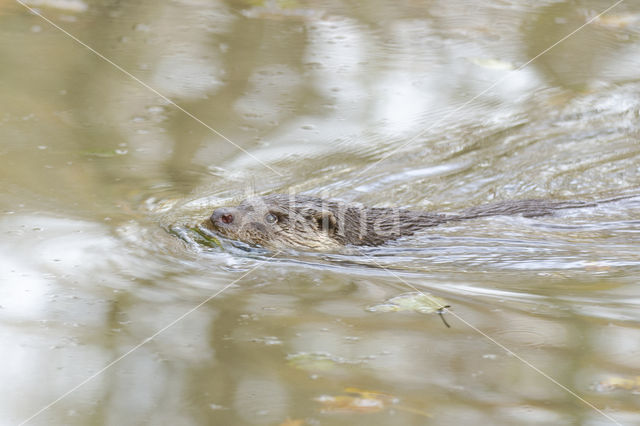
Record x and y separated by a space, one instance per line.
102 183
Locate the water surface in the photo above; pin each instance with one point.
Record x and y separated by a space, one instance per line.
416 104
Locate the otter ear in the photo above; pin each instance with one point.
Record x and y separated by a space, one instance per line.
326 221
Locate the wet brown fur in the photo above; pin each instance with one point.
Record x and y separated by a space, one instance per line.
307 222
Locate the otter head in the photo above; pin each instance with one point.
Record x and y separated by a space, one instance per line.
279 221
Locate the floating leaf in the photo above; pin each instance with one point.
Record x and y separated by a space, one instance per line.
362 401
618 21
387 398
423 303
614 383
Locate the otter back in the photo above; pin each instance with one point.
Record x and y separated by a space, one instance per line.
305 222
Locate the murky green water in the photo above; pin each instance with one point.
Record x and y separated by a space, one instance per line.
101 180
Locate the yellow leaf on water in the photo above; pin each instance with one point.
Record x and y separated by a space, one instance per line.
618 21
612 383
363 401
359 401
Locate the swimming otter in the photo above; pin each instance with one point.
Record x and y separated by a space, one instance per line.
305 222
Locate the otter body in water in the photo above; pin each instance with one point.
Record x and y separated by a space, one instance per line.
305 222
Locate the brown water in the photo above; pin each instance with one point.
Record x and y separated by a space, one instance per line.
102 180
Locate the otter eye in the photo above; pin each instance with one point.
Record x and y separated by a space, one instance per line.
271 218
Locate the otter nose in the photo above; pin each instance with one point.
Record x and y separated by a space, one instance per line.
222 216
